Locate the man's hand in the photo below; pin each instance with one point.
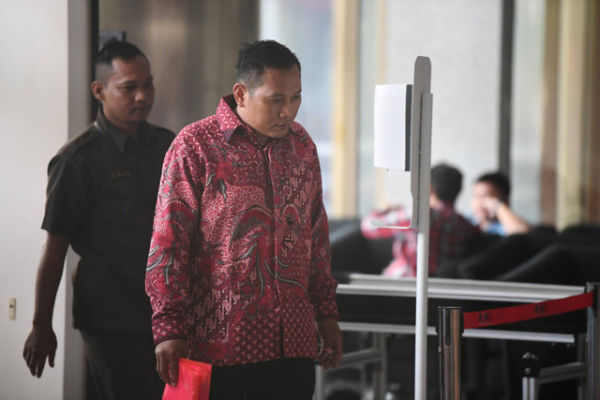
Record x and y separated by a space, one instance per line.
491 205
40 343
332 343
168 354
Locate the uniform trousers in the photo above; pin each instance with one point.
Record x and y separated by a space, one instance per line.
122 366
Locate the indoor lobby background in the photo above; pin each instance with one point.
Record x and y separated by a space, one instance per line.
515 83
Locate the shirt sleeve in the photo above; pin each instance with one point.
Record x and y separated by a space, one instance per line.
168 273
66 196
322 286
394 217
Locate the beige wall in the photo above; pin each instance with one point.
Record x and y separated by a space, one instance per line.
35 101
463 42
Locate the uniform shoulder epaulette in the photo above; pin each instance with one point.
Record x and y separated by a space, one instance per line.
80 141
160 131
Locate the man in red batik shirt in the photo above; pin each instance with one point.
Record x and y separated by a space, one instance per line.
239 266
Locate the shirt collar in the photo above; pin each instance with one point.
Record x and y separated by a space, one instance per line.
444 207
117 135
230 123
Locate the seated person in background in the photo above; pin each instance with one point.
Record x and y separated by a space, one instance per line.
450 234
490 205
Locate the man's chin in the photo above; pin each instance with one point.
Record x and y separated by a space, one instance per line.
278 132
139 116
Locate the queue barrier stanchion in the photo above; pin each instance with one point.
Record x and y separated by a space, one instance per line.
452 322
593 345
449 336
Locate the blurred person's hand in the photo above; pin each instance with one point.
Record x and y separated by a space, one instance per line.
491 206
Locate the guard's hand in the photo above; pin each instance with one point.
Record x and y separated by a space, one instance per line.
40 343
168 354
331 354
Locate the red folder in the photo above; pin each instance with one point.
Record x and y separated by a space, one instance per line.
193 382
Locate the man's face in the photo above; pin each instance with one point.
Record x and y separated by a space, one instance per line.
271 107
127 94
481 192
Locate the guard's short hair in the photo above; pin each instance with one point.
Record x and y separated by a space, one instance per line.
114 49
254 58
499 180
446 182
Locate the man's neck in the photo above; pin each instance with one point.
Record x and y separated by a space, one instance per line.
125 127
261 138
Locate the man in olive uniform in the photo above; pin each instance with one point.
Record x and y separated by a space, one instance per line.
101 194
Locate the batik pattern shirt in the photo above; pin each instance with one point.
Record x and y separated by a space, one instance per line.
239 262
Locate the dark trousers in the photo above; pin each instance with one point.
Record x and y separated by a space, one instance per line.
284 379
122 366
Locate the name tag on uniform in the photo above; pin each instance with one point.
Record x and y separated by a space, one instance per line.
120 174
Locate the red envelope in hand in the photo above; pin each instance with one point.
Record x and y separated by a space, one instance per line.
193 382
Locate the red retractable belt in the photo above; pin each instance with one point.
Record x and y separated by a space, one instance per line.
507 315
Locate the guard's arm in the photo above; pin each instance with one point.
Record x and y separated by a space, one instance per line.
41 342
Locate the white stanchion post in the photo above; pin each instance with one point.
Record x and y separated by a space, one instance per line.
421 138
420 165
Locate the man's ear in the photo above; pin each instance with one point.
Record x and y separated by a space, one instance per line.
97 88
239 94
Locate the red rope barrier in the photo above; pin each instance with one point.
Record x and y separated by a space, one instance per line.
507 315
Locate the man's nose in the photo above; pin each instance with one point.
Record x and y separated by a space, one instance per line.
286 111
142 95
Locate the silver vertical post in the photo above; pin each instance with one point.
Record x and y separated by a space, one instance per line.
449 335
319 383
593 346
422 102
380 372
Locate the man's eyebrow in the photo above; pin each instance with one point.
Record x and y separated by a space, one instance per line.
127 82
283 95
133 81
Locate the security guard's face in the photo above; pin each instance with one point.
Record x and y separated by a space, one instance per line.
271 107
127 94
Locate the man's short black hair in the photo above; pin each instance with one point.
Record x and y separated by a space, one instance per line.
499 181
446 182
254 58
111 50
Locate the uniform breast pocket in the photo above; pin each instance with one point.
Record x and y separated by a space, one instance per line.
118 184
117 195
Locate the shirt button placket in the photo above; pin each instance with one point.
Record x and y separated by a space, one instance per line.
271 182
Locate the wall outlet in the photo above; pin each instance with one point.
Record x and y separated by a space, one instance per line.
12 308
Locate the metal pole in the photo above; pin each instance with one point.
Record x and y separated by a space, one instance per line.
593 346
530 370
421 140
380 371
319 383
530 391
449 335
